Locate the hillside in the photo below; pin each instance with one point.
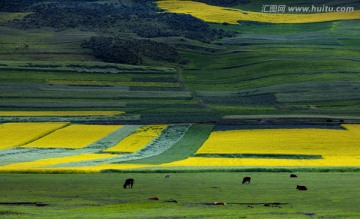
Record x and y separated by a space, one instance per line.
160 67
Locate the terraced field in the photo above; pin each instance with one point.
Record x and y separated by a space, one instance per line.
306 70
85 148
43 91
302 72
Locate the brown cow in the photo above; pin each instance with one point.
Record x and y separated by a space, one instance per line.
129 183
246 180
301 188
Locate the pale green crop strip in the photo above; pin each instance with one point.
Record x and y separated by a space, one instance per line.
111 139
31 154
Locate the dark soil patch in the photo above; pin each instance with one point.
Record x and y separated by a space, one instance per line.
37 204
249 205
260 203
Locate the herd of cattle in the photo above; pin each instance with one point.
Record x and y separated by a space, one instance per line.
246 180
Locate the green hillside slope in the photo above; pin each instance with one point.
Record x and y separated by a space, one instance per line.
71 55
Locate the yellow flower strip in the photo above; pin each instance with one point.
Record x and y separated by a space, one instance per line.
53 161
324 142
16 134
98 168
217 14
60 113
138 139
333 161
74 136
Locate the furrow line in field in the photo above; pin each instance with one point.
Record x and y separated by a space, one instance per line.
34 154
14 151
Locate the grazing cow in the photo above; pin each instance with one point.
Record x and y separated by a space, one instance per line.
301 188
129 183
246 180
293 175
167 176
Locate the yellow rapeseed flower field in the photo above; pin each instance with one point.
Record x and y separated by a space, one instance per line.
327 161
16 134
74 136
285 141
217 14
98 168
337 147
60 113
53 161
138 139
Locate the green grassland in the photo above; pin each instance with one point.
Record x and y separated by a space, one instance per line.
269 195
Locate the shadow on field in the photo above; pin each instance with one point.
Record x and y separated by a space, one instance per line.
250 204
37 204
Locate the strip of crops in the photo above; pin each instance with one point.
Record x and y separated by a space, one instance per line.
327 161
113 83
94 94
89 67
31 165
62 104
60 113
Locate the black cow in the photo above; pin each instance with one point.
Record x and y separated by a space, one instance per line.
246 180
301 188
293 175
129 183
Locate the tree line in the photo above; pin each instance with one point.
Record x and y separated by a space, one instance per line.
135 19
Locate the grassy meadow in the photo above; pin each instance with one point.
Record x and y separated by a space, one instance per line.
269 195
